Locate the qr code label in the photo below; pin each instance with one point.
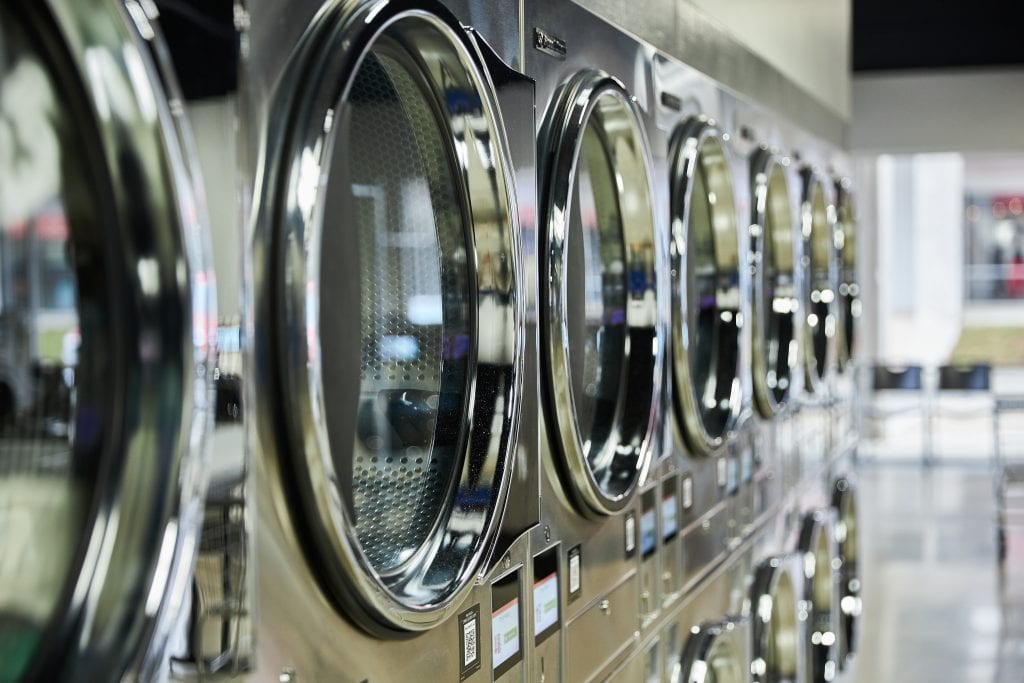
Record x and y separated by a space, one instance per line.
469 633
469 642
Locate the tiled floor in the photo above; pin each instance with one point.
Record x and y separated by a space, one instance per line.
932 594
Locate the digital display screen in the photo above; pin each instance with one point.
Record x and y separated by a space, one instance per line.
648 525
545 594
669 511
506 647
669 517
575 585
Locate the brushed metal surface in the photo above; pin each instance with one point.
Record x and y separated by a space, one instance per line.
681 30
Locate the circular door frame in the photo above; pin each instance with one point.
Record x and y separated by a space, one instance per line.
562 139
848 286
300 144
764 164
767 579
118 613
844 502
819 527
817 383
703 643
686 146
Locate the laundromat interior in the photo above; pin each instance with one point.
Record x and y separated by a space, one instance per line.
512 341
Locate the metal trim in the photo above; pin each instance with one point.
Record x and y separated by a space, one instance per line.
299 147
765 167
136 562
685 157
562 138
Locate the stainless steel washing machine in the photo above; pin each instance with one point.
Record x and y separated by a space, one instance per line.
108 320
822 565
602 333
779 614
704 181
392 390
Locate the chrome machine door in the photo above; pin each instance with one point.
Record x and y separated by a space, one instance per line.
817 223
716 653
821 564
106 319
849 287
600 336
844 501
393 288
706 291
779 621
775 298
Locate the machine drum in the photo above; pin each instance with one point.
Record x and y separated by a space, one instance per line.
706 307
397 310
775 300
601 330
717 653
106 329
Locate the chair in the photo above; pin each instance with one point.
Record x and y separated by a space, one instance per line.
896 390
962 392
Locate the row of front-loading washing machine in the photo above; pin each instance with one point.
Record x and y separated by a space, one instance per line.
533 346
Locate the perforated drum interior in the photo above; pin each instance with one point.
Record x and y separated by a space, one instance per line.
820 321
775 298
398 277
601 333
105 324
706 307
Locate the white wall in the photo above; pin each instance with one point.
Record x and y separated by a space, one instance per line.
807 40
954 111
919 268
214 127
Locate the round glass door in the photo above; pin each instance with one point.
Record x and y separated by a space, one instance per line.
844 501
849 287
820 320
817 542
601 333
777 625
706 306
104 315
775 300
400 304
716 653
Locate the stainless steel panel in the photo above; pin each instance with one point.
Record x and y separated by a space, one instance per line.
684 32
600 635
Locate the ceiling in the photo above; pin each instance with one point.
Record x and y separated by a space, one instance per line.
937 34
